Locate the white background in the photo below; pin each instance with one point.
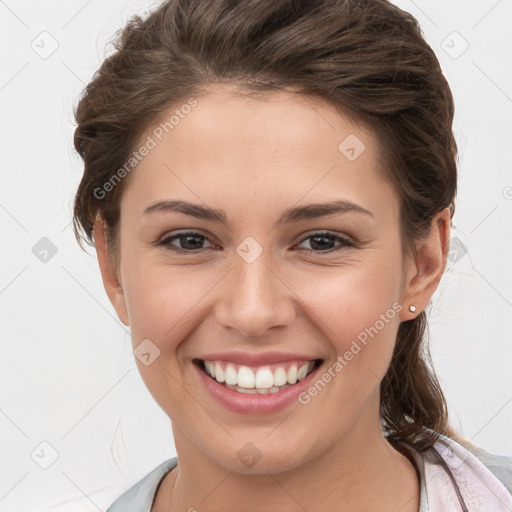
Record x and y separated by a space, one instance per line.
68 376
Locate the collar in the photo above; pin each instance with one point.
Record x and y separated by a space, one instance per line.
456 481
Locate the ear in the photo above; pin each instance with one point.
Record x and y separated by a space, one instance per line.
108 272
425 271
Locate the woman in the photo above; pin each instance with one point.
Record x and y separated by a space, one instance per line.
269 186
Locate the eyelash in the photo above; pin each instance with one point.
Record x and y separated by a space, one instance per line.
166 242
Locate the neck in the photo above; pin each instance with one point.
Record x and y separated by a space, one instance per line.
362 471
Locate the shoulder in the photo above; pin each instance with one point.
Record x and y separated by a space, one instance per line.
139 497
462 472
499 465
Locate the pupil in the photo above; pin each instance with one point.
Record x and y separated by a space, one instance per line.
324 238
192 237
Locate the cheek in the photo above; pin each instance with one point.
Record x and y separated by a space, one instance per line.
349 299
162 306
160 303
357 310
359 318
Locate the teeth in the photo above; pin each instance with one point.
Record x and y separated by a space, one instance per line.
264 378
245 390
219 373
231 375
280 377
257 391
303 371
291 374
263 381
245 377
210 368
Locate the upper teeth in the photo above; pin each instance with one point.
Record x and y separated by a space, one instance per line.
263 378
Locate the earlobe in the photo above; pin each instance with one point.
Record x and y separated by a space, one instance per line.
109 276
427 267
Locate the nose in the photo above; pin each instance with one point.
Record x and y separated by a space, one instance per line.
255 298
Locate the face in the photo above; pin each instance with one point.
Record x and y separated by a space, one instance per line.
265 284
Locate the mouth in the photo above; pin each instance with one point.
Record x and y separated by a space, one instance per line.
258 380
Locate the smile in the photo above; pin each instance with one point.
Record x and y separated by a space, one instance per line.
255 380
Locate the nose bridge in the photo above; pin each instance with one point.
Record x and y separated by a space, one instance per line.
255 298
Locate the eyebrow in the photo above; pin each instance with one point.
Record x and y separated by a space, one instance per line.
297 213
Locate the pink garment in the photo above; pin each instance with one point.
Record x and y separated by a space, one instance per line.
471 487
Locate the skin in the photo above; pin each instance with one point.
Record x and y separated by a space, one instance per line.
254 158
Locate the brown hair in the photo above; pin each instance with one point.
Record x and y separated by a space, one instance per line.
368 58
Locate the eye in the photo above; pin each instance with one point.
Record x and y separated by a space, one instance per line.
190 241
321 242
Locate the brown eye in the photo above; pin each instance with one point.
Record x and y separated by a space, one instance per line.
323 242
189 242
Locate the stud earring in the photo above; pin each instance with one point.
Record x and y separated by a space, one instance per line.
412 309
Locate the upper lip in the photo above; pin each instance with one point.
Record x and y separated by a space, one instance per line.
256 359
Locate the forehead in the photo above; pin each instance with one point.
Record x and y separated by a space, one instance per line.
258 152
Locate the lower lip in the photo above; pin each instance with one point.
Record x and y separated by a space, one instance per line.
245 403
